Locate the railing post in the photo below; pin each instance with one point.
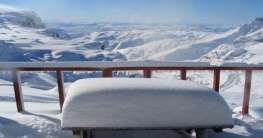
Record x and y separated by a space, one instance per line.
183 74
18 91
216 82
60 81
247 88
147 73
107 73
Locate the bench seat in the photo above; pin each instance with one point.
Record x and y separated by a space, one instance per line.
140 103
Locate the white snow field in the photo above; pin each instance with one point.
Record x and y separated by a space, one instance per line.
24 37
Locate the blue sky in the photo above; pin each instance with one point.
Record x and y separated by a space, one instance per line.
223 12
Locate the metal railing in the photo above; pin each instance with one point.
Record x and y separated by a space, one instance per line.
108 67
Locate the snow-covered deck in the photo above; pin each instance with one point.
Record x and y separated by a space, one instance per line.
41 118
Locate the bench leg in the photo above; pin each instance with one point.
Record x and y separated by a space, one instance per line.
218 130
184 133
201 133
86 134
76 132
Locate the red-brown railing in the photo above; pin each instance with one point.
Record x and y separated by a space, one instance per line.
108 67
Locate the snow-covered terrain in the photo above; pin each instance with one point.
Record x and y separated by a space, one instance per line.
24 37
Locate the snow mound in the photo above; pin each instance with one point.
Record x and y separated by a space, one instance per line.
143 103
20 17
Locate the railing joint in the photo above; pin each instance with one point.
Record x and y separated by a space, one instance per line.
147 73
107 73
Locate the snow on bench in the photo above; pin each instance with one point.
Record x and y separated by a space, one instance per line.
137 103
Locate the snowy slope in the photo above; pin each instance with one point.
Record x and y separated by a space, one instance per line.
241 45
24 37
110 42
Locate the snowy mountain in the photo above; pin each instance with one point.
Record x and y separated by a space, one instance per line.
244 44
24 37
19 17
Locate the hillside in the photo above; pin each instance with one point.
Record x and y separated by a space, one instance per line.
114 42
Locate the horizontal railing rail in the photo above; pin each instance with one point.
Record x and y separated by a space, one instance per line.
108 67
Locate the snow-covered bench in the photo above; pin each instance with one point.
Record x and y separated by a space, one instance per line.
143 104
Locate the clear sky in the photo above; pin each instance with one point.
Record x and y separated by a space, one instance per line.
223 12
